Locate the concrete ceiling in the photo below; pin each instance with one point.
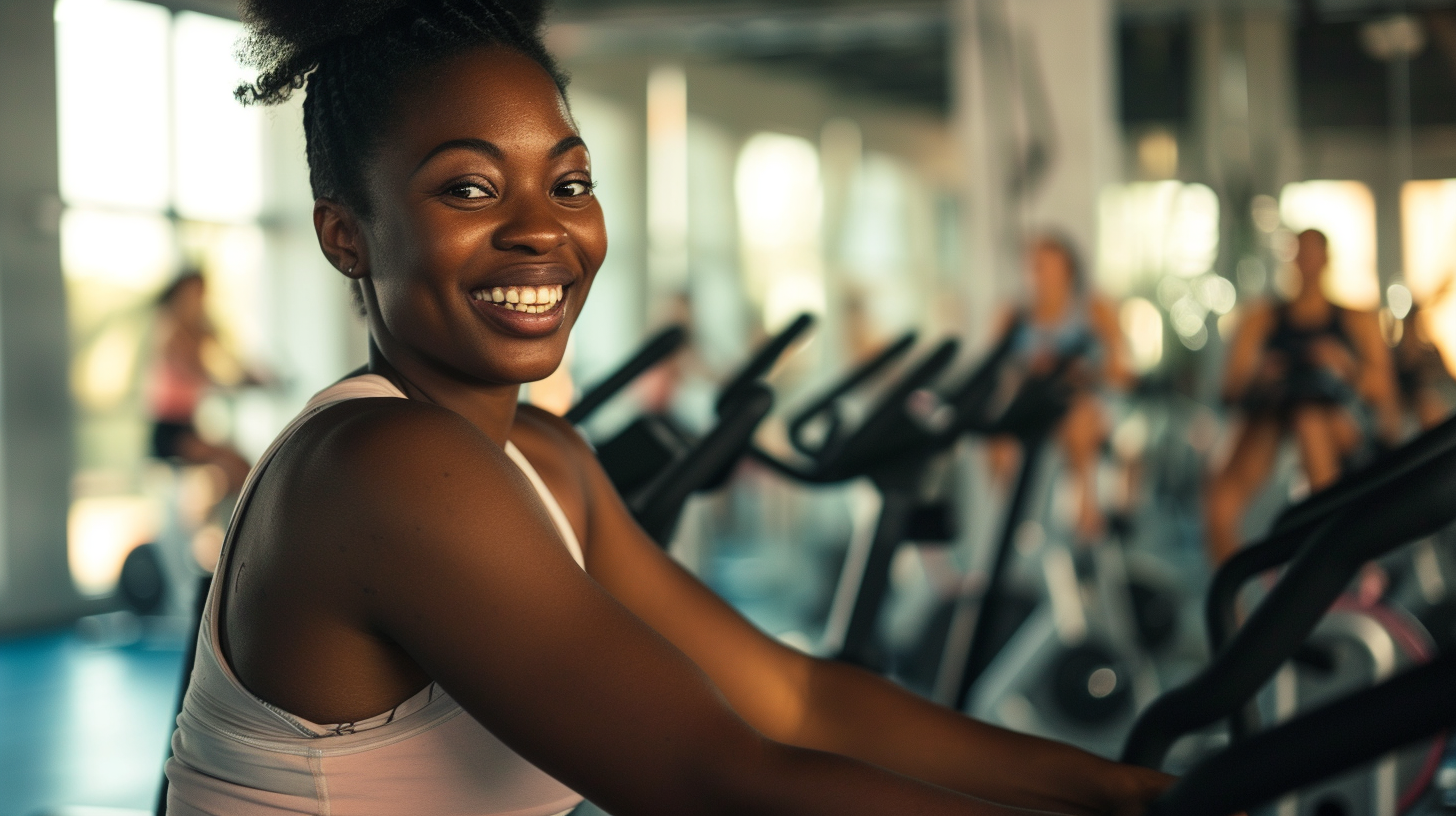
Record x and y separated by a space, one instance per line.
895 51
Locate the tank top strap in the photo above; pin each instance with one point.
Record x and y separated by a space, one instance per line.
553 507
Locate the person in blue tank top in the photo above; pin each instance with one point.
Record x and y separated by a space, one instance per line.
1063 320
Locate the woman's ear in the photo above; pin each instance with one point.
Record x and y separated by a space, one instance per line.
341 238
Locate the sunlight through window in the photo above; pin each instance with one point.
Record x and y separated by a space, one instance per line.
1428 222
112 69
1345 212
780 211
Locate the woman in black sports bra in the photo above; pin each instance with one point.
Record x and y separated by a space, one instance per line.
1298 368
1420 371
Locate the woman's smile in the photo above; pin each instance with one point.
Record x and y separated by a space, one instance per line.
524 310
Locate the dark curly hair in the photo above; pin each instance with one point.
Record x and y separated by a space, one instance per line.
349 57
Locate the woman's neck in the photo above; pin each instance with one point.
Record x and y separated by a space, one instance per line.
491 408
1310 299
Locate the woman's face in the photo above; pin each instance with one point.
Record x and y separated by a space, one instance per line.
1313 257
189 302
1050 272
484 235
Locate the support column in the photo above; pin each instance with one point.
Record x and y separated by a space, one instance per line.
36 446
1034 112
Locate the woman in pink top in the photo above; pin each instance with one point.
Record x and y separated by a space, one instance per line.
178 379
394 546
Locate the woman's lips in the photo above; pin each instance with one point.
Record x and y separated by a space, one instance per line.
527 311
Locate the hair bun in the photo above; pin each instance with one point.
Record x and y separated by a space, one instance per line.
305 25
287 38
531 14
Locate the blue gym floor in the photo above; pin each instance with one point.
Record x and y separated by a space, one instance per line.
84 725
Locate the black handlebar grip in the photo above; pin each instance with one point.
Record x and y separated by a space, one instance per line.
1404 509
882 433
1294 525
855 378
652 352
1318 745
657 508
760 363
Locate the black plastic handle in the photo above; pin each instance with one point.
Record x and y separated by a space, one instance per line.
759 365
888 431
1416 504
1293 526
826 403
658 507
970 399
1330 740
654 351
1414 453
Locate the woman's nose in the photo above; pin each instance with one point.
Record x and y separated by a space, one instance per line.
530 226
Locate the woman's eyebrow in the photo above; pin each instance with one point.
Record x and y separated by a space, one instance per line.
491 149
476 145
566 144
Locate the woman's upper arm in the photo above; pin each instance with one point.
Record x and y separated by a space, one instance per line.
765 682
1365 327
460 565
1109 332
1243 356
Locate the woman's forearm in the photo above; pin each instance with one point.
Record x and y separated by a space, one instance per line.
855 713
792 780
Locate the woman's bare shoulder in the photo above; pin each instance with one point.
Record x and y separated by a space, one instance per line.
374 455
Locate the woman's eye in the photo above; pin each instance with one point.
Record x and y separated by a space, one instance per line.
574 189
469 191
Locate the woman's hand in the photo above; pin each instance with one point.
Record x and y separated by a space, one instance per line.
1134 788
1335 356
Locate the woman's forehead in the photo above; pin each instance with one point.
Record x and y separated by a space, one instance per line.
494 94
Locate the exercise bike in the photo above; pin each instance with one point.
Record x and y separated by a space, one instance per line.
1302 630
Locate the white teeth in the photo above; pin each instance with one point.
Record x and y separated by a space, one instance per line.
528 299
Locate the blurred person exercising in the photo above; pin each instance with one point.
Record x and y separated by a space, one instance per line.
178 378
1064 320
1420 370
1302 368
431 599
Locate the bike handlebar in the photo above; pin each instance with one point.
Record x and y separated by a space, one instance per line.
1292 526
652 352
878 437
827 403
760 363
1413 504
657 508
1318 745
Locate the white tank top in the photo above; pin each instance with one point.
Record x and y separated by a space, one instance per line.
235 755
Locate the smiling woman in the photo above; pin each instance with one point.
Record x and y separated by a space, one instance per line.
431 599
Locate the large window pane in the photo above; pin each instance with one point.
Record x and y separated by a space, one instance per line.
1345 212
219 142
1428 224
780 209
112 69
114 264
